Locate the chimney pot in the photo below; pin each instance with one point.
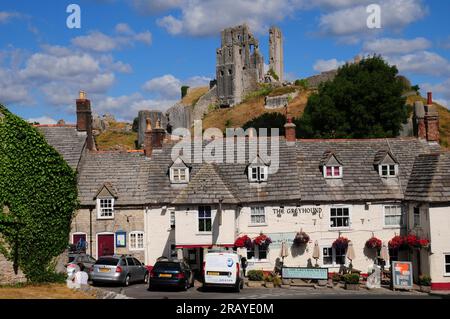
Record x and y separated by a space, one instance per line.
82 95
289 129
429 98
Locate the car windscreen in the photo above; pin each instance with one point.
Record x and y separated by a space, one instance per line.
107 261
171 266
71 259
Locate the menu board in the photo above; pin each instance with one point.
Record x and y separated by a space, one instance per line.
402 275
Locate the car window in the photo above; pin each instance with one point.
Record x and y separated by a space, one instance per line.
137 262
167 266
71 259
130 261
107 261
123 262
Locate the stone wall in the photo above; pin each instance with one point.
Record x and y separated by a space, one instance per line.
202 106
179 116
7 275
274 102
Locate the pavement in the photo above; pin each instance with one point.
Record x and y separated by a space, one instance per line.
139 291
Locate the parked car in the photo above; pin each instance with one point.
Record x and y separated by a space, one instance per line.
76 258
223 269
119 269
166 273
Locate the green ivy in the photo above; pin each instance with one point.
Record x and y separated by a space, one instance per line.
38 196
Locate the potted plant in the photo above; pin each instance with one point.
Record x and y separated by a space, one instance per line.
341 243
301 238
397 242
351 281
262 240
425 283
336 279
243 241
374 243
255 278
424 243
412 241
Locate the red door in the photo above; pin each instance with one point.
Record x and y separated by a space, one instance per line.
105 245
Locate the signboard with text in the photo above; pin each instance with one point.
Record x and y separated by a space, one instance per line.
304 273
402 275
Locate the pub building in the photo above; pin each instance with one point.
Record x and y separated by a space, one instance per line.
152 204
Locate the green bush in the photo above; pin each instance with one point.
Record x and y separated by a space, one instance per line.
351 278
255 275
336 277
302 83
273 74
425 280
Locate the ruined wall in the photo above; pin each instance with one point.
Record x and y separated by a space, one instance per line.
154 116
202 106
276 59
179 116
274 102
239 65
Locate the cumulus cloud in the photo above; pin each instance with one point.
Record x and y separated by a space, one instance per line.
327 65
387 46
423 63
100 42
6 16
169 87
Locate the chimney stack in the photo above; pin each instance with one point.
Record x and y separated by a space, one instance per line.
84 119
153 138
431 120
289 129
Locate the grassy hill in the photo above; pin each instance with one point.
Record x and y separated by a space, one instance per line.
116 138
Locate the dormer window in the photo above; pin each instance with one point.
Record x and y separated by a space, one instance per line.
386 164
258 170
388 170
179 172
105 208
333 171
331 165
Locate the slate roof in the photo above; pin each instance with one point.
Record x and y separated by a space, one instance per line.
124 173
381 155
430 180
67 141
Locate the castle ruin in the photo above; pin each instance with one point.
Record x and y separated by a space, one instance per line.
276 59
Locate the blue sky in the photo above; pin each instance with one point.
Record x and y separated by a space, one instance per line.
135 54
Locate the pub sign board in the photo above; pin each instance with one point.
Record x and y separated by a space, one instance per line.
304 273
402 275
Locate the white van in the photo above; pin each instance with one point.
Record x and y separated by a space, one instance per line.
223 269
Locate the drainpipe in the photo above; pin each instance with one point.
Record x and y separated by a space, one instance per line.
90 231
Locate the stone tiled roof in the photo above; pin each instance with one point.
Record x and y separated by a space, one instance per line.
67 141
124 173
430 180
361 180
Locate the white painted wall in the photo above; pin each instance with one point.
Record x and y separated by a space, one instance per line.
159 235
440 242
363 223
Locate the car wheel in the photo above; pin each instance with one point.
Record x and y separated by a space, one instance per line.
146 278
242 284
237 288
126 283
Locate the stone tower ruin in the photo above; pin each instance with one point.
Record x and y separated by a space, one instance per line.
276 58
239 65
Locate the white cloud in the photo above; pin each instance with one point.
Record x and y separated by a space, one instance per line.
155 6
42 120
166 86
388 46
99 42
327 65
423 63
5 16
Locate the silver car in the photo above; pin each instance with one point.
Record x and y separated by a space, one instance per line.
118 269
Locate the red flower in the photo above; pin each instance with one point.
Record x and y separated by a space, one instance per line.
412 241
424 243
396 242
262 240
373 243
243 241
341 243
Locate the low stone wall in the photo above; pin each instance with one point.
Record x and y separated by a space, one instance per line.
275 102
7 275
201 107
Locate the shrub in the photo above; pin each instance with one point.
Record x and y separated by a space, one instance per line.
425 280
303 83
351 278
336 278
255 275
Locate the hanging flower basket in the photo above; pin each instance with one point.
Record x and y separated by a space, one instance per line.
374 243
412 241
397 242
262 240
341 243
424 243
301 238
243 241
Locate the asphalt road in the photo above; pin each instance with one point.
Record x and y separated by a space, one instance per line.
140 291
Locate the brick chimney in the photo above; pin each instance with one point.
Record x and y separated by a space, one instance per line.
289 129
431 120
153 138
84 119
419 120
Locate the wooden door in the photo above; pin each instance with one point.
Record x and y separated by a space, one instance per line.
105 245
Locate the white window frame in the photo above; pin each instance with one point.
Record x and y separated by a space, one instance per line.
402 216
198 220
259 214
262 173
417 218
172 220
100 209
136 233
380 170
446 274
333 172
349 218
333 257
256 254
175 175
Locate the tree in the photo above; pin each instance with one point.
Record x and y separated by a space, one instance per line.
267 120
38 195
363 101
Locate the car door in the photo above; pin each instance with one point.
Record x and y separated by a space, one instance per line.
140 269
132 269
